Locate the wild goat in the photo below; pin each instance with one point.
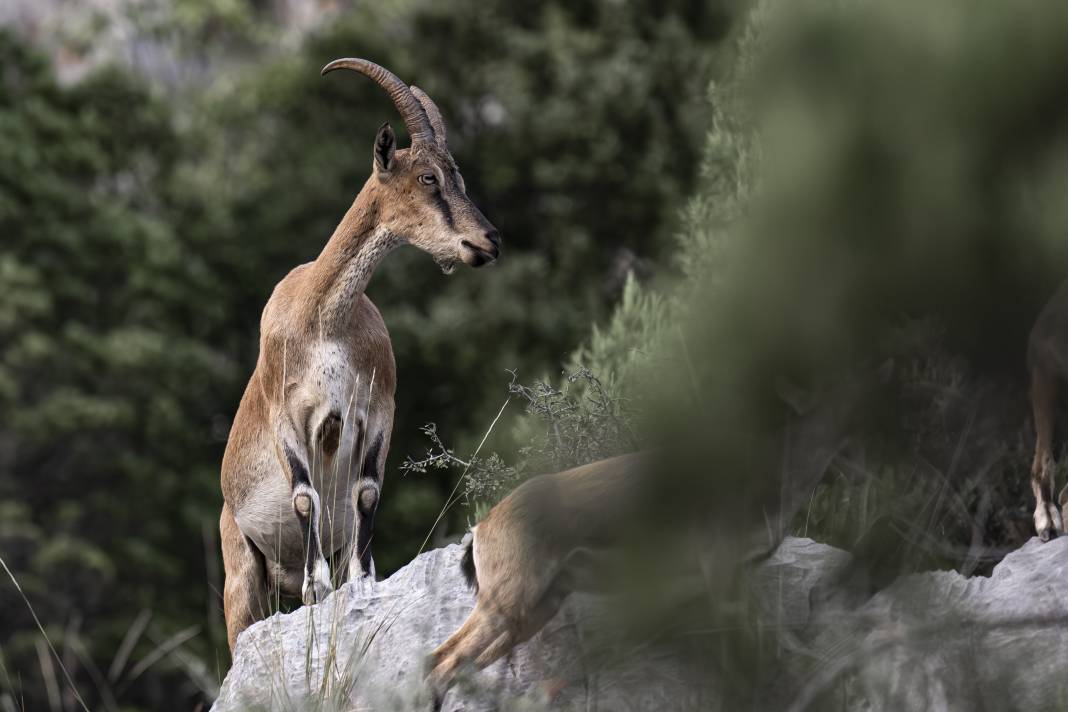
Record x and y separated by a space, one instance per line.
1047 359
540 543
303 468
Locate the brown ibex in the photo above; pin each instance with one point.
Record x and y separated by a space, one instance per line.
1047 359
303 468
546 539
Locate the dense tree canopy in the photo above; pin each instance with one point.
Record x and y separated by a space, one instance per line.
109 363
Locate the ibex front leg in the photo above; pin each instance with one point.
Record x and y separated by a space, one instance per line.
308 509
365 496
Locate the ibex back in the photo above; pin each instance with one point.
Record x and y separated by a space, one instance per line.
303 468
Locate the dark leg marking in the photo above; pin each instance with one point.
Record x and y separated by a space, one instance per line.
367 503
296 468
370 460
306 506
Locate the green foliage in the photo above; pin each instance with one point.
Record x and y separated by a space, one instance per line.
109 368
642 339
623 346
580 422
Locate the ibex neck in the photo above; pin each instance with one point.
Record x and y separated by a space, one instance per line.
344 267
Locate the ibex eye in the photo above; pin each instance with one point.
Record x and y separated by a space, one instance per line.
428 179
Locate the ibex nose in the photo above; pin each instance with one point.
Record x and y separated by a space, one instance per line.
494 239
486 251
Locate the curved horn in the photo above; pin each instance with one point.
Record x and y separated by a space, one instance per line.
415 117
432 112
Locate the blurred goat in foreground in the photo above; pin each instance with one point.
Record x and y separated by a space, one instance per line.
545 540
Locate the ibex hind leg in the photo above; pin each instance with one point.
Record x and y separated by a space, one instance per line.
485 637
245 598
1048 520
477 633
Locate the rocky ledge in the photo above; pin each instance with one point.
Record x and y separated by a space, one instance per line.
929 641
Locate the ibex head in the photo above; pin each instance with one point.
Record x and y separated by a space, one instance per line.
418 192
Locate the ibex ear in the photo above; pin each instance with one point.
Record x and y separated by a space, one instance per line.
385 148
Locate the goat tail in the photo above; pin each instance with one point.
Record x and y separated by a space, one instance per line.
467 563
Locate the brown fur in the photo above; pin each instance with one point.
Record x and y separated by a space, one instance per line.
539 544
321 397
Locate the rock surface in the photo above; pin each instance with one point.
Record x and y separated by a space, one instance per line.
932 641
940 641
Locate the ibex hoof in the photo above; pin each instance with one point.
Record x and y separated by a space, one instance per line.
317 586
1048 521
365 585
365 580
